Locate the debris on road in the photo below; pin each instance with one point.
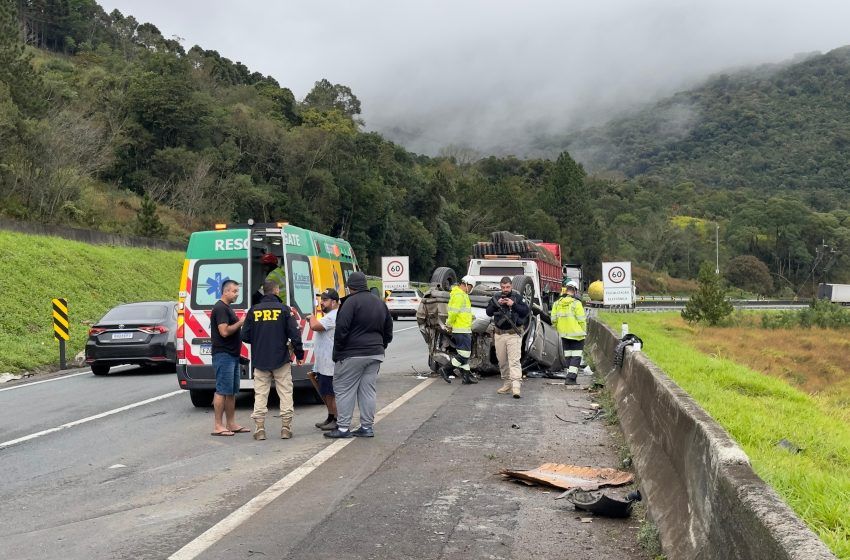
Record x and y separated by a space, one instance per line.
600 503
4 377
567 477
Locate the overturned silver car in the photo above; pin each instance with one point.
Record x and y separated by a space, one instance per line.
541 348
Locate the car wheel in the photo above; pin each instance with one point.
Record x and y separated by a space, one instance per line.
395 317
201 399
99 369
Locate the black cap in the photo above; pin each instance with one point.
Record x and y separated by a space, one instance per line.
330 293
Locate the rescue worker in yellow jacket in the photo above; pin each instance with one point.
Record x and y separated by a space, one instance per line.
571 322
459 324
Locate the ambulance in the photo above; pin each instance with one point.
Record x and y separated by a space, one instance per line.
312 262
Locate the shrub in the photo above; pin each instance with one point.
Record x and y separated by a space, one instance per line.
708 304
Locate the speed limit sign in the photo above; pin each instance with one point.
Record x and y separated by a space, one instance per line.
617 283
395 272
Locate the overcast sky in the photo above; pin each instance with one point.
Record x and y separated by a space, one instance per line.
491 73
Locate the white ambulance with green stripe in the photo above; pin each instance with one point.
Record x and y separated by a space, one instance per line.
312 261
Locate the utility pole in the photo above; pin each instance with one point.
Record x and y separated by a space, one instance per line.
717 248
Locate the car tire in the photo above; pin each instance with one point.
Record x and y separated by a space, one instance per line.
444 278
525 286
395 317
100 369
201 399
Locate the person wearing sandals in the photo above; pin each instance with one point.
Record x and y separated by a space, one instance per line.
226 346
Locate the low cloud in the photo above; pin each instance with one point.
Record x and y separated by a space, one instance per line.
495 74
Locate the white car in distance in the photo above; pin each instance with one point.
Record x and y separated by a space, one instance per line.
403 303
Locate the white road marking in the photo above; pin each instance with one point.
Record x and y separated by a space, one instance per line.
60 378
406 329
261 500
11 442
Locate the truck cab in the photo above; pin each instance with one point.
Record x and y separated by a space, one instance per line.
491 269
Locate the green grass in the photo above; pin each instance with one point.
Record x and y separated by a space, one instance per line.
93 278
758 411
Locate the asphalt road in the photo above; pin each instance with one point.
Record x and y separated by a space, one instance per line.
124 467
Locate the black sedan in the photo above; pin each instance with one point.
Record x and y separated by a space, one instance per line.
134 333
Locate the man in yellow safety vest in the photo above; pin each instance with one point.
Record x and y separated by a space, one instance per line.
459 324
571 322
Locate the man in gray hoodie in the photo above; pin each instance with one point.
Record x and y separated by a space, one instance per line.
364 329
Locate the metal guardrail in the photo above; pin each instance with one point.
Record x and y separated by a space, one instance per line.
672 304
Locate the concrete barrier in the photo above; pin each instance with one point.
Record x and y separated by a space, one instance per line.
701 491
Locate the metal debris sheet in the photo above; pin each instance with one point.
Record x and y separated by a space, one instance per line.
571 476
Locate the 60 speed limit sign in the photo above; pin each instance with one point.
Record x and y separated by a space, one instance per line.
617 283
616 275
395 272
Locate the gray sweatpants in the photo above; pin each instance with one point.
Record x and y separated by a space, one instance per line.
355 381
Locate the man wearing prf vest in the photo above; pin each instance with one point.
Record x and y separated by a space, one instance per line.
568 316
459 324
268 326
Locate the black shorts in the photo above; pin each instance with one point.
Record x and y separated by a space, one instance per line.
326 385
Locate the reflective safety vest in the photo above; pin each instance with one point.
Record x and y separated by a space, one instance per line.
460 312
568 317
278 276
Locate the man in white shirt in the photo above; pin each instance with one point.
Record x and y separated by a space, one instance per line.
323 347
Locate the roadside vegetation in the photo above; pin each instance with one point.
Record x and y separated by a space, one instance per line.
93 278
763 386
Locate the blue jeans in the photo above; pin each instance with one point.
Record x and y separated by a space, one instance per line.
226 373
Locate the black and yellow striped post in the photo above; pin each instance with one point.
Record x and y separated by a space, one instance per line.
61 329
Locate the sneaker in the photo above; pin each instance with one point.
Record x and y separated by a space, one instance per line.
338 434
325 422
363 432
327 425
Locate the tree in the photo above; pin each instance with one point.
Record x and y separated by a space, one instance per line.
326 96
708 304
25 85
147 220
749 273
567 197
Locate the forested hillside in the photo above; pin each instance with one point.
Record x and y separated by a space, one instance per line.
784 126
105 123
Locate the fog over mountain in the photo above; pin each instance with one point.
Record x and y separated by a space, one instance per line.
496 74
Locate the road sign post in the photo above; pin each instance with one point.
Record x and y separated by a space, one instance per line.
395 273
61 327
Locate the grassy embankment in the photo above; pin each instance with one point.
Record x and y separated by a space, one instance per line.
93 278
763 386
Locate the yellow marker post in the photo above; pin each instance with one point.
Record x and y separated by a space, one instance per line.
61 327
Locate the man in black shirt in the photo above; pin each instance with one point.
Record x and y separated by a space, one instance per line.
510 314
226 346
363 330
268 326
